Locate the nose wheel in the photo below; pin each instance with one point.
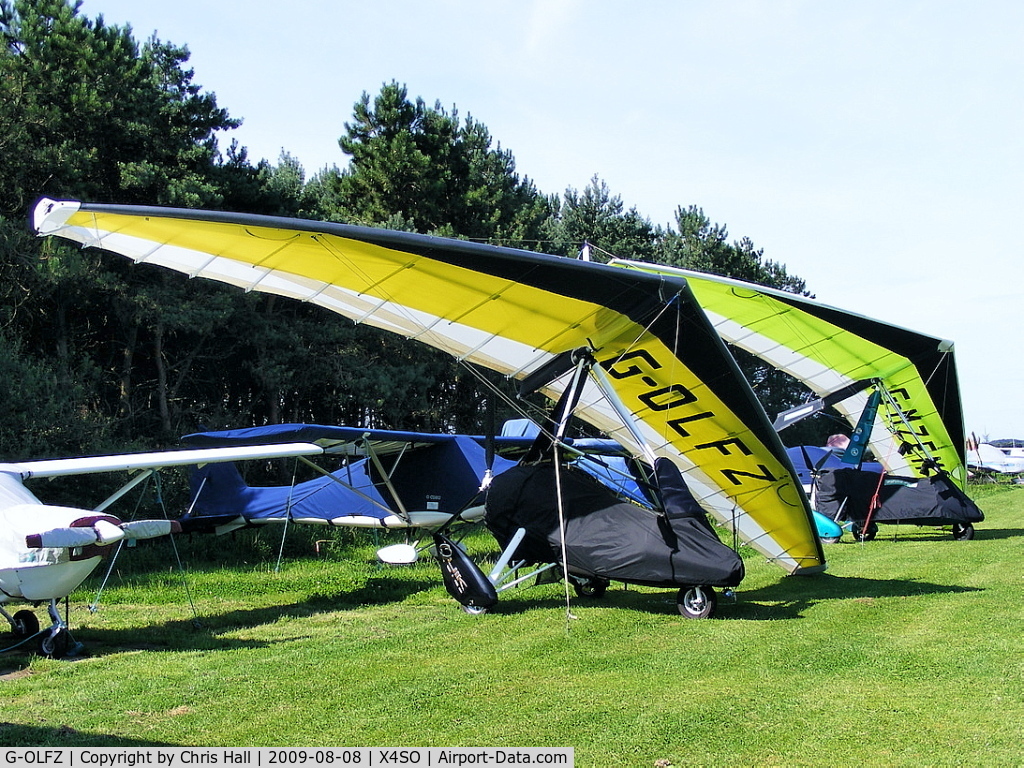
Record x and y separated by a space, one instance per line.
589 587
57 643
865 532
697 602
963 531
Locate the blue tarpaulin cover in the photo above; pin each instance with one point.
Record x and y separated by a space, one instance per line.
429 472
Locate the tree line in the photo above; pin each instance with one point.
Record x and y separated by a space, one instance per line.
98 356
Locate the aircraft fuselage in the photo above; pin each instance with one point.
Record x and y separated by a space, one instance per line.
38 574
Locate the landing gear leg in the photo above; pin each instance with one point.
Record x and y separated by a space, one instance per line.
57 643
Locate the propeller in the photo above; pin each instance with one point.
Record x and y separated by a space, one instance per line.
101 530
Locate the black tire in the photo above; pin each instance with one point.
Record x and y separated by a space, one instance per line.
474 610
25 624
697 602
55 646
593 588
865 534
963 531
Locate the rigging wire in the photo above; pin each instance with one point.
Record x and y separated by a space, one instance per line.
576 384
157 488
569 616
94 606
177 554
287 517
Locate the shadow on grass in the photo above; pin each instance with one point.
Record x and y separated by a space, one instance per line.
206 632
14 735
788 599
890 532
984 534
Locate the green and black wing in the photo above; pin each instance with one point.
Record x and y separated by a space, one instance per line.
844 358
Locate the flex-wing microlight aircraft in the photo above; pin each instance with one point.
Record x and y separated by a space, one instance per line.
47 551
546 513
663 383
897 388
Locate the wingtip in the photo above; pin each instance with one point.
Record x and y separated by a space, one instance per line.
41 221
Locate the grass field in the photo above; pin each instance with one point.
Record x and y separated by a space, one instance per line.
908 651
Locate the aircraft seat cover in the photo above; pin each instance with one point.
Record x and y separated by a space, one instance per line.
845 493
926 501
676 498
921 501
606 537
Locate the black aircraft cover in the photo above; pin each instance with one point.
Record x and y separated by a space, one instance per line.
847 494
606 537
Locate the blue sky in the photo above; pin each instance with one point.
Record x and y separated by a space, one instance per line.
874 148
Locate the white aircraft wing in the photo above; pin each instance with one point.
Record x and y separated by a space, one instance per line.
134 461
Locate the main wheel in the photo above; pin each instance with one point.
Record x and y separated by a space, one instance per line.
590 587
831 539
697 602
865 534
474 610
963 531
25 624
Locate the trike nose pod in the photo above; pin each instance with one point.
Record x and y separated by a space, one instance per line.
462 578
607 539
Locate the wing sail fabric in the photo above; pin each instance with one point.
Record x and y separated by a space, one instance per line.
919 424
511 311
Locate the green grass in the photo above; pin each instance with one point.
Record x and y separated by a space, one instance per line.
907 652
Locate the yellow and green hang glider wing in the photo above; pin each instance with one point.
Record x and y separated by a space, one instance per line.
660 364
842 357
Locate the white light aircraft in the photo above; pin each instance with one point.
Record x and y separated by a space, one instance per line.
47 551
985 459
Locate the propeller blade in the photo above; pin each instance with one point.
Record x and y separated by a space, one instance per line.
61 537
150 529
